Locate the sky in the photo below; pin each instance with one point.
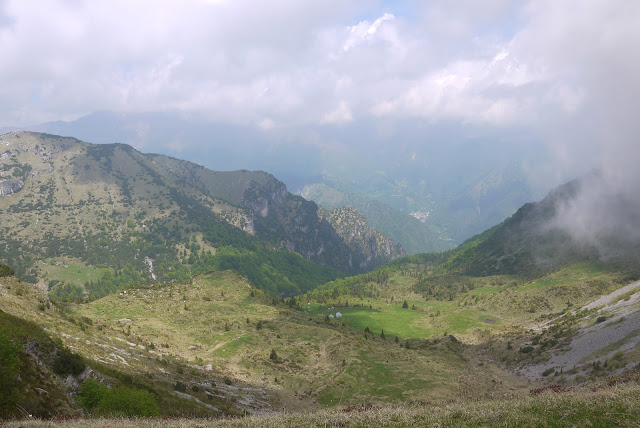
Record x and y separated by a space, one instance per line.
565 71
291 62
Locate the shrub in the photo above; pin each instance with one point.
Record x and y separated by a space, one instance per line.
601 318
123 401
5 270
179 386
90 394
527 349
120 401
68 363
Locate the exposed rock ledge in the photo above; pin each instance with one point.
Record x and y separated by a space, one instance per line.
9 187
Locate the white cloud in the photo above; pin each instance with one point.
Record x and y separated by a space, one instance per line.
302 63
342 114
364 31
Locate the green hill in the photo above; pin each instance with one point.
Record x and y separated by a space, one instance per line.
89 219
536 240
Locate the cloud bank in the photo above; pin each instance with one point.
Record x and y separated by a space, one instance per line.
309 63
565 72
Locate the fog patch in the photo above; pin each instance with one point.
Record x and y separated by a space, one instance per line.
603 211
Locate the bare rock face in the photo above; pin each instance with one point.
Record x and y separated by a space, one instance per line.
374 247
260 198
342 240
9 187
293 223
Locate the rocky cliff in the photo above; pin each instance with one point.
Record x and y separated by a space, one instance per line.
373 247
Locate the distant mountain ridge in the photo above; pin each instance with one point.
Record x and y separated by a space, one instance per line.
466 177
412 234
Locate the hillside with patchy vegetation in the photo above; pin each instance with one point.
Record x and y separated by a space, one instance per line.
88 220
523 309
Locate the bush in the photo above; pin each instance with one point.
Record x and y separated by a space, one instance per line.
601 318
68 363
527 349
5 270
547 372
123 401
90 394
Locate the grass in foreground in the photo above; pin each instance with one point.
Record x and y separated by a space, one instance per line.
617 406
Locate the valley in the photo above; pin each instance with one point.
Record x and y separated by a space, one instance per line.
220 295
337 214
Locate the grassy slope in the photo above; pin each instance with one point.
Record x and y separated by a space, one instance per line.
317 361
86 208
485 302
21 373
198 334
226 185
495 317
610 406
118 358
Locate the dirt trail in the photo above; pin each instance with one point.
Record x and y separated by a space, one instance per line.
621 332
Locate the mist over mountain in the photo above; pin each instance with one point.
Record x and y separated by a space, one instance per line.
582 220
603 211
464 178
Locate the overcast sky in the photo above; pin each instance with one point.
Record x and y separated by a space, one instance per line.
567 70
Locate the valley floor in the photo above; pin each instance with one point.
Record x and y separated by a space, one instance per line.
218 347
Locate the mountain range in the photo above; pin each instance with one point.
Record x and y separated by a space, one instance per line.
460 180
195 292
152 217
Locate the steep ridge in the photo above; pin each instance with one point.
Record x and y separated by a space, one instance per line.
130 218
540 237
286 220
